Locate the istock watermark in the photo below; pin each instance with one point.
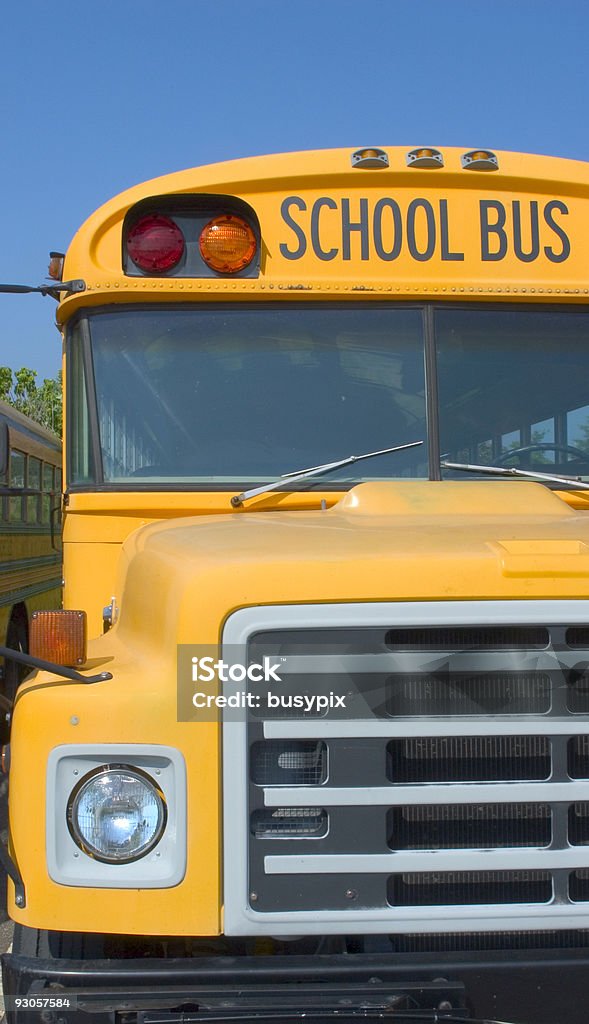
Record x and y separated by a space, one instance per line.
284 679
214 683
207 670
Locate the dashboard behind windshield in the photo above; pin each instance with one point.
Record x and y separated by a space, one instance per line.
212 397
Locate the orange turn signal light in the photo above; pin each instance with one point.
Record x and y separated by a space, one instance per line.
227 244
58 636
55 268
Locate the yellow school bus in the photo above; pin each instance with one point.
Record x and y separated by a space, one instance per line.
326 478
30 506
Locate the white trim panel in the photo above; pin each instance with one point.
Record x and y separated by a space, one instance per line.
429 793
242 919
412 861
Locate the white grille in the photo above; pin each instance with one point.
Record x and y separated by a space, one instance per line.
458 798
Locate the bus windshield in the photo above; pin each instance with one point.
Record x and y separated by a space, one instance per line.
211 396
215 396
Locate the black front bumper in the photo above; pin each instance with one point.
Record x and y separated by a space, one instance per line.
540 987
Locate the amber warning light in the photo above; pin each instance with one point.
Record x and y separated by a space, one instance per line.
58 636
227 244
55 268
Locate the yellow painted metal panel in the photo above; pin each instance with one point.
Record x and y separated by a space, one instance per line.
518 232
179 580
137 706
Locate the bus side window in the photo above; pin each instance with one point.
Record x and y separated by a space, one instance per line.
18 465
577 425
33 484
51 496
47 497
4 453
56 498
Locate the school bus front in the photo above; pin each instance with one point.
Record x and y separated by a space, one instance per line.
339 724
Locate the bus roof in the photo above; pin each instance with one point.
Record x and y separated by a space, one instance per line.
449 201
24 425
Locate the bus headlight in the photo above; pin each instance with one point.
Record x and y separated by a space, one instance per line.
116 814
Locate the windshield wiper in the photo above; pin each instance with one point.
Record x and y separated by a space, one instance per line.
580 485
302 474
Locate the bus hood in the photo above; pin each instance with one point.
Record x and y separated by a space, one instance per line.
381 542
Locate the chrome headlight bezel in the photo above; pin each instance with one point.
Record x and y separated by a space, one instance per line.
102 772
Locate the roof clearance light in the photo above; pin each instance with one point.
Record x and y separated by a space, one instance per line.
227 244
155 243
370 159
425 158
479 160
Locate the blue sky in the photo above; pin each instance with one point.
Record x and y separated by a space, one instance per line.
97 96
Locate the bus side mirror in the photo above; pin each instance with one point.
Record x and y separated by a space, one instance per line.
4 448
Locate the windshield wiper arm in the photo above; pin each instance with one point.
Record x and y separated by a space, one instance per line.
302 474
580 485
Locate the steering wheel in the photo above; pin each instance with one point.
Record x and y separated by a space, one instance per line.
545 446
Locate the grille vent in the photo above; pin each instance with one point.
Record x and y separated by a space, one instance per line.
470 887
289 822
294 763
578 636
579 885
463 826
469 759
578 757
578 693
461 693
483 638
457 942
579 824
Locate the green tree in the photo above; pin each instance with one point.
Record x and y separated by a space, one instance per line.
42 402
